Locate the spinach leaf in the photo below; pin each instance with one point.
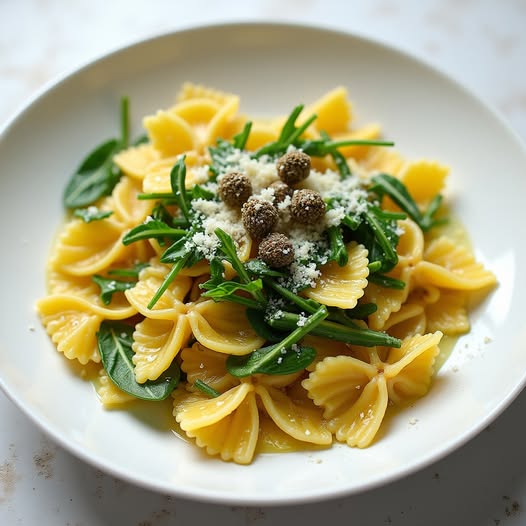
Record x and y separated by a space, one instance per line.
256 319
92 213
96 176
109 286
272 360
115 346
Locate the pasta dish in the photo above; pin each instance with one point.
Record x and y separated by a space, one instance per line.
284 279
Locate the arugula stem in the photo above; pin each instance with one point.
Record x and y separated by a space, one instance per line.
348 333
205 388
125 121
305 305
295 336
178 266
379 233
178 183
155 195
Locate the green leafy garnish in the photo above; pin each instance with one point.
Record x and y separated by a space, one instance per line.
110 286
348 333
92 213
284 357
97 175
385 184
205 388
115 341
154 229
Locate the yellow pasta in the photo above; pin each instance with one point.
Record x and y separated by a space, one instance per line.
280 279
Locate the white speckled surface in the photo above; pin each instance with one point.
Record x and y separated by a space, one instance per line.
482 44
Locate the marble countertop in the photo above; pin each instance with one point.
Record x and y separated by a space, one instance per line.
482 44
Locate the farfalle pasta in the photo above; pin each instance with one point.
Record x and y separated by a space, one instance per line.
288 276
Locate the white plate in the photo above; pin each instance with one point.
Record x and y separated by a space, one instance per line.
272 67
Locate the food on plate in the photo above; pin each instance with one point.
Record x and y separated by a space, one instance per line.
281 280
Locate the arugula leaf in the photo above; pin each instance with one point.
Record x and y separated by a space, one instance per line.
115 341
385 184
290 134
227 291
377 230
260 269
219 155
240 140
284 357
178 184
348 333
337 244
153 229
172 274
92 213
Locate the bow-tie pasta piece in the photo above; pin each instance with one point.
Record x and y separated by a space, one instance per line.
73 331
73 320
223 327
198 113
156 343
410 320
451 266
353 396
190 91
448 314
424 180
127 207
410 248
170 134
387 300
359 425
324 348
342 286
157 177
135 160
337 382
109 394
227 425
302 422
409 369
85 249
369 132
333 110
200 363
